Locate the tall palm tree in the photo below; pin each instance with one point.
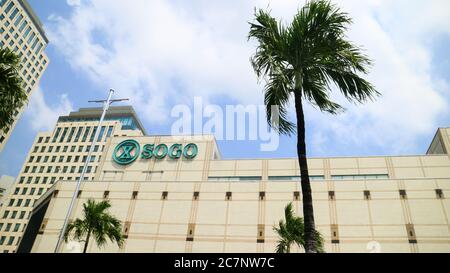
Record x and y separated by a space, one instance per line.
97 222
12 95
304 60
291 231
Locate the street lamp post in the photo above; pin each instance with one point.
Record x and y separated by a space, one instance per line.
106 104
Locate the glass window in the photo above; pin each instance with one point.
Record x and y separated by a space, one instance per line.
93 134
31 37
102 131
72 131
14 13
360 177
58 130
63 134
9 7
77 136
27 32
86 133
110 129
18 20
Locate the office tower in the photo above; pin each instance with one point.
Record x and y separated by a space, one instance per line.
60 155
22 32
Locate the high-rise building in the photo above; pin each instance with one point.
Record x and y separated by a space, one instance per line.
60 155
21 31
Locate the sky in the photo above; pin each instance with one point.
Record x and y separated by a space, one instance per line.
164 53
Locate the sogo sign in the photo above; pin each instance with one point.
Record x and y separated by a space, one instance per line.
128 151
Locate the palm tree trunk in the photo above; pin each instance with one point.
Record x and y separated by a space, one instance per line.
308 211
87 241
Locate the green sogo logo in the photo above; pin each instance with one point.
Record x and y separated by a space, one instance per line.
128 151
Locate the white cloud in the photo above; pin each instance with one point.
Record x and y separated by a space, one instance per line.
42 116
160 53
73 2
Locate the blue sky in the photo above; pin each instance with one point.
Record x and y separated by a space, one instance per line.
163 53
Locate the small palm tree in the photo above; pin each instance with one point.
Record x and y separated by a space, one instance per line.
302 61
97 223
291 232
12 95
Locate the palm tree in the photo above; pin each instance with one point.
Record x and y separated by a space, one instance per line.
12 95
304 60
292 232
98 223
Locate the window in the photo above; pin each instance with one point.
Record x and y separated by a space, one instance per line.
102 131
14 13
16 228
11 202
2 240
11 240
5 214
63 134
57 149
96 147
72 149
14 214
89 169
72 131
22 215
55 136
360 177
24 191
9 7
69 158
31 159
110 129
295 178
86 133
8 227
65 148
77 137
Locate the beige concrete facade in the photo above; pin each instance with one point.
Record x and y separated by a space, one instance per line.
206 204
5 186
60 155
21 31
